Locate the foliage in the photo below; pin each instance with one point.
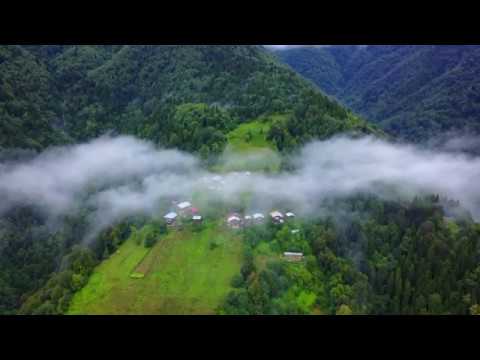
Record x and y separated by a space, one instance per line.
394 259
414 92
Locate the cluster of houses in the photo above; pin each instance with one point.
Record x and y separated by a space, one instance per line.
236 221
182 210
185 210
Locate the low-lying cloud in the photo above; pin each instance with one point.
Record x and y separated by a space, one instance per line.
124 176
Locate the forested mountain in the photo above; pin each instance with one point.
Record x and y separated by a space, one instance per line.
414 92
186 97
52 94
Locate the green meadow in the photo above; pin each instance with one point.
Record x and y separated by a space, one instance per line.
249 149
186 272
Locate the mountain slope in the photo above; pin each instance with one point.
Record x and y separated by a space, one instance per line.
85 91
188 97
415 92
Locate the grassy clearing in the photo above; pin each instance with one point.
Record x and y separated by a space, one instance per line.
249 136
182 274
249 149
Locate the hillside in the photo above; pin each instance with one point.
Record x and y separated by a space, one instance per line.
413 92
293 219
86 91
184 273
185 97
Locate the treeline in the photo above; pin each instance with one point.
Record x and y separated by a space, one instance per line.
386 258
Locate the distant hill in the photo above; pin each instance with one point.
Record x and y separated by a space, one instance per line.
414 92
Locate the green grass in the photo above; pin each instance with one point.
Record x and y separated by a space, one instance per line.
182 274
249 149
249 136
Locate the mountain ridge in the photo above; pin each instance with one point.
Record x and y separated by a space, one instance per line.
415 92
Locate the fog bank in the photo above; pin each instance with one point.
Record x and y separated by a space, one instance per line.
123 176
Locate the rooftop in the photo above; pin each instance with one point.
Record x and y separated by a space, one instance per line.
170 216
184 205
292 254
275 214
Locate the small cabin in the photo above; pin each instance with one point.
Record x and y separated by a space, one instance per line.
184 205
258 218
277 217
170 218
197 219
234 221
293 256
183 208
290 215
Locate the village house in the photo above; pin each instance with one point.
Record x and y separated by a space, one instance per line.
290 215
258 218
277 217
183 207
197 219
248 220
170 218
293 256
295 231
234 221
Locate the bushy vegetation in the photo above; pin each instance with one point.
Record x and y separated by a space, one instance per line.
389 259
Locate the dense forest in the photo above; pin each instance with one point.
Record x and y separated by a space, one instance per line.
56 94
384 258
414 92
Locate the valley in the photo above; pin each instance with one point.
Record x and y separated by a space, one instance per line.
233 180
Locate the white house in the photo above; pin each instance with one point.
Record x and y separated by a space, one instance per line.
170 217
258 218
234 221
276 214
290 215
277 217
184 205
